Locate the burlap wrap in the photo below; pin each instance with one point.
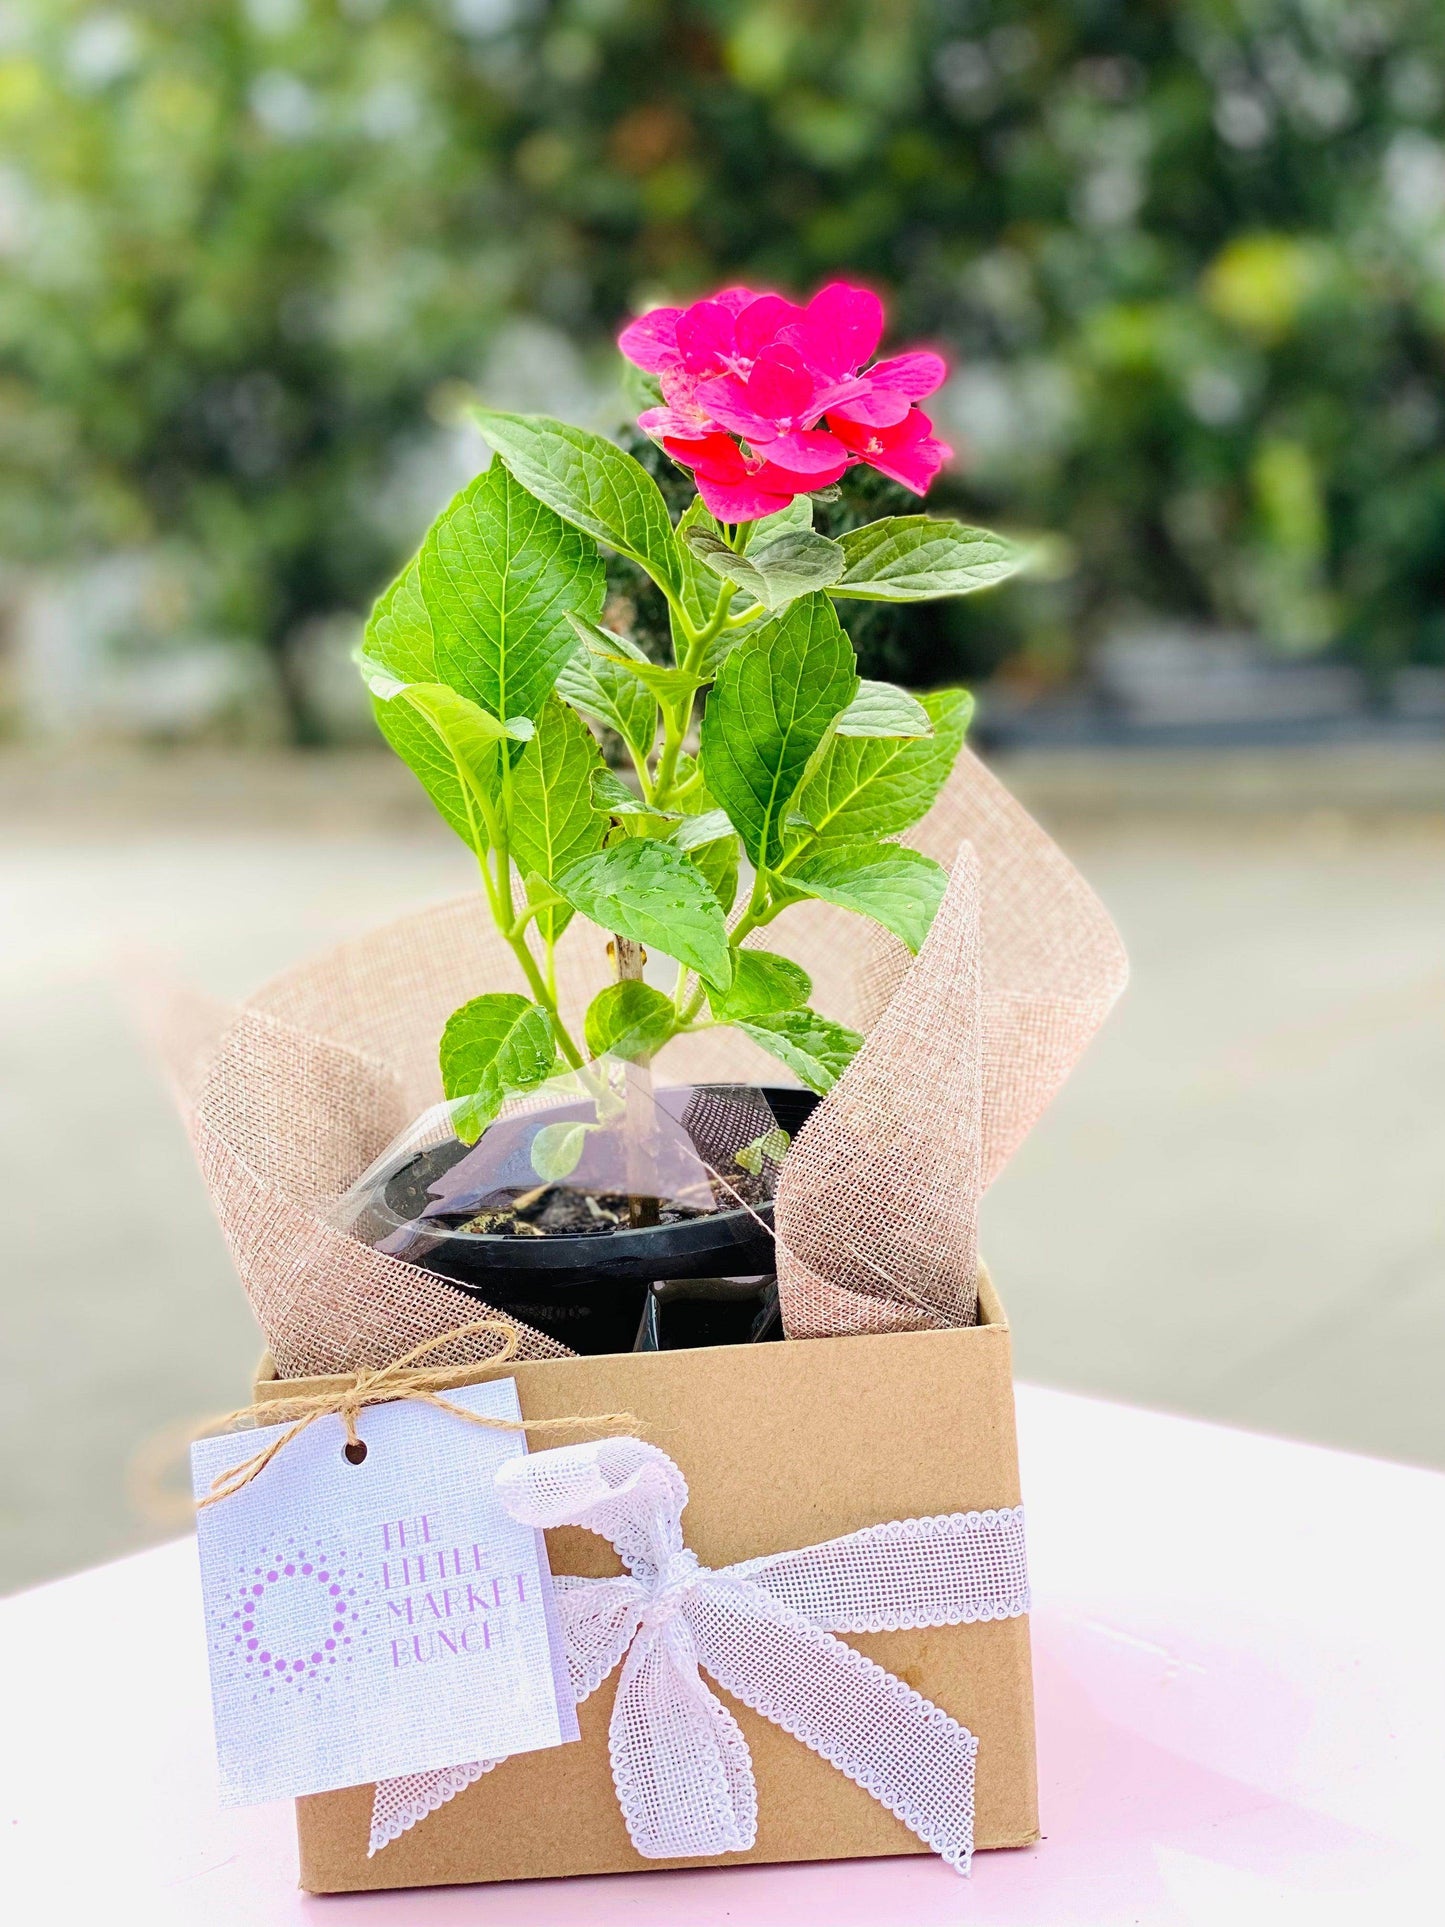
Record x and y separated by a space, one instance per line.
290 1096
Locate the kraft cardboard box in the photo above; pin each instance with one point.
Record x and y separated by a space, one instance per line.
782 1445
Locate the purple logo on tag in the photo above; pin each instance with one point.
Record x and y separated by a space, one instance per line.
379 1617
295 1616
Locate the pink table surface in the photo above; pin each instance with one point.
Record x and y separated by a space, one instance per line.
1241 1705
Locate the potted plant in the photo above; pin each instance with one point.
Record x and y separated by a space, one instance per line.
760 771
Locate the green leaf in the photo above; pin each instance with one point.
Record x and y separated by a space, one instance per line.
792 564
461 734
589 483
882 709
641 389
666 684
694 831
814 1048
557 1149
689 780
615 797
774 702
494 1045
772 1145
718 555
670 686
611 794
610 694
867 786
795 563
552 819
651 892
398 639
917 558
468 729
499 574
398 645
431 762
542 896
629 1019
899 888
797 515
698 585
716 862
726 641
763 983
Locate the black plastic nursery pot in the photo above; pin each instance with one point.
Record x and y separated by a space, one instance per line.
595 1293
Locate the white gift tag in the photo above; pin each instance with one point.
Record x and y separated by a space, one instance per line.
370 1620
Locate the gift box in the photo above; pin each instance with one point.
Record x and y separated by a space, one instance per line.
782 1446
888 1410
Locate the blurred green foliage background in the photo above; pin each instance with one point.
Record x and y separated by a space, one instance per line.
1188 257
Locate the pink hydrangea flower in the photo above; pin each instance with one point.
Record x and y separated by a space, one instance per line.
907 451
792 385
738 486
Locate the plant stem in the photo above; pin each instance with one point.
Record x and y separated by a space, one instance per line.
677 719
513 930
672 741
690 1009
628 957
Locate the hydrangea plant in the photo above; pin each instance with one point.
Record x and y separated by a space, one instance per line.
491 673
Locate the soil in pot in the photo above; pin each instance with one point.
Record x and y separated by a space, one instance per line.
567 1255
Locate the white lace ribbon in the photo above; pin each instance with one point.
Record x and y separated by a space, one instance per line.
764 1630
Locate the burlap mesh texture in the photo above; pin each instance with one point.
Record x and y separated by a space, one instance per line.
292 1095
877 1204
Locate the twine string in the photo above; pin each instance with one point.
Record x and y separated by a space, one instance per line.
403 1378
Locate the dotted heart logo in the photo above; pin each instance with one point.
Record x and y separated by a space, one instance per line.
295 1617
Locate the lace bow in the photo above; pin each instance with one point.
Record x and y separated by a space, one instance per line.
764 1631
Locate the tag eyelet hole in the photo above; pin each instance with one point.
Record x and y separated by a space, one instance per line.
354 1451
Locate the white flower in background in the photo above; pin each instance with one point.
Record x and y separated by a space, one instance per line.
1414 181
390 109
275 17
1243 115
104 47
1215 396
284 104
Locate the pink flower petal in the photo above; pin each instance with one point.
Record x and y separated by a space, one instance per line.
911 453
837 394
686 424
780 388
735 299
650 342
759 322
705 337
682 450
908 453
841 328
717 456
678 385
868 439
915 374
785 481
915 467
874 408
727 401
807 454
739 502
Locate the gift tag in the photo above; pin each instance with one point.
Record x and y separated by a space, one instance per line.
373 1619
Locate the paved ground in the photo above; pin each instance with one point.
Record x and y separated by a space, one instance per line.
1234 1210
